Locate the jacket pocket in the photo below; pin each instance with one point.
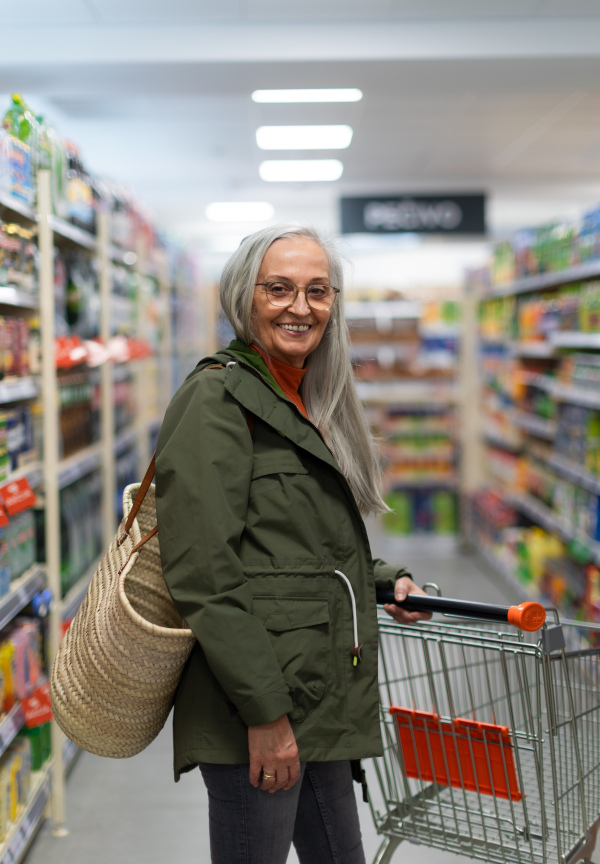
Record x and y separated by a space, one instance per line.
269 466
299 631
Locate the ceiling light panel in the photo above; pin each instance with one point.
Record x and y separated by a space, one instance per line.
348 94
300 170
239 211
303 137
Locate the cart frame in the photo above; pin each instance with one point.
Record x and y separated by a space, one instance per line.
505 734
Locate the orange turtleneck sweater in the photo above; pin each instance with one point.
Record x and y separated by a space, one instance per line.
288 377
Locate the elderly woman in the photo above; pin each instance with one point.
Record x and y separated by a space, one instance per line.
264 467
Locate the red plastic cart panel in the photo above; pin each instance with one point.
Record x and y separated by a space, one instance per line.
463 753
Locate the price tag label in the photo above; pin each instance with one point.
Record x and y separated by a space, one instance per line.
37 708
17 496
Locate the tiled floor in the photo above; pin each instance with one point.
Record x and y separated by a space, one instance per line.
131 812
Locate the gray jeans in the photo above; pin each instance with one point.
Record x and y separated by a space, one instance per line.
318 814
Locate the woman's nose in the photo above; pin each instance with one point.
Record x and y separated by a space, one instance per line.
300 306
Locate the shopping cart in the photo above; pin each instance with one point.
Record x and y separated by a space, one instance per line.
491 735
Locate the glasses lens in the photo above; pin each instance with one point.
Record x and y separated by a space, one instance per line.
320 296
280 294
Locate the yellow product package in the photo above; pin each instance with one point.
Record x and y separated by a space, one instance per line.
4 800
8 668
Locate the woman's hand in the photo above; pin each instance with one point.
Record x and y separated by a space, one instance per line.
405 586
273 753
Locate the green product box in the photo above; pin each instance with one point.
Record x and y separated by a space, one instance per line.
400 520
443 506
35 737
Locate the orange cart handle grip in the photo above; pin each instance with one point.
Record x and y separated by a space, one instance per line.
528 616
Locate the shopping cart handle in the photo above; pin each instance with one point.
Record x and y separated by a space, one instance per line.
528 616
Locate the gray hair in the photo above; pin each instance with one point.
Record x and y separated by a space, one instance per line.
328 390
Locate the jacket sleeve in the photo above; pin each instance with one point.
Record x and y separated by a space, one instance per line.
386 574
203 472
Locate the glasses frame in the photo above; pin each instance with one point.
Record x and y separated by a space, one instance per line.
265 285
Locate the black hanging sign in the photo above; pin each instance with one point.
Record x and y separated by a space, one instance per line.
415 214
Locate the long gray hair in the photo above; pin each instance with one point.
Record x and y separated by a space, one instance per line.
328 390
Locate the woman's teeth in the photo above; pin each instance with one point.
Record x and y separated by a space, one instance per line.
296 328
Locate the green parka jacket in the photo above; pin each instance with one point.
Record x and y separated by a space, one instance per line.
252 528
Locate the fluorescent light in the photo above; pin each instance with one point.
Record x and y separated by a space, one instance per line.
303 137
240 211
349 94
300 170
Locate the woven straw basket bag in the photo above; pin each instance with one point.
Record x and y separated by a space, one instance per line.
115 674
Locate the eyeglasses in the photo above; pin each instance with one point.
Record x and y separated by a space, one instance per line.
283 294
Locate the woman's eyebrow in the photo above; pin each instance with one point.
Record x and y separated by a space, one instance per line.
312 280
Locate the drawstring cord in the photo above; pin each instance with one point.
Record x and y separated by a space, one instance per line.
357 647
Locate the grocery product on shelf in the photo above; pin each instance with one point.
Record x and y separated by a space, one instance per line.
80 196
79 402
18 256
18 551
124 397
421 511
547 248
81 528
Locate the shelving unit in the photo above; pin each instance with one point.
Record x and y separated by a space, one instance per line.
406 366
22 592
172 288
19 838
532 428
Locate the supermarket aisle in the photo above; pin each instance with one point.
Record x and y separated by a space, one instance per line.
132 812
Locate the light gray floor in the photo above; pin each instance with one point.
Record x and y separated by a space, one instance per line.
131 812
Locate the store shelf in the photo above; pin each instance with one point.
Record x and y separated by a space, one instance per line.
576 395
79 464
543 281
501 569
420 432
537 426
406 393
10 726
122 256
563 392
18 207
21 593
34 472
12 296
13 850
382 309
424 483
74 598
71 232
502 443
534 349
125 440
572 471
542 382
548 519
18 390
574 339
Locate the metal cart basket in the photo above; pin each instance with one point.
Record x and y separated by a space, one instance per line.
491 740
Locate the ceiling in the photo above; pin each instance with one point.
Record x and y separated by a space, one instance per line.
501 97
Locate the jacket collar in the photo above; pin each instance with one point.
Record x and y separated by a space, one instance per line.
246 382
